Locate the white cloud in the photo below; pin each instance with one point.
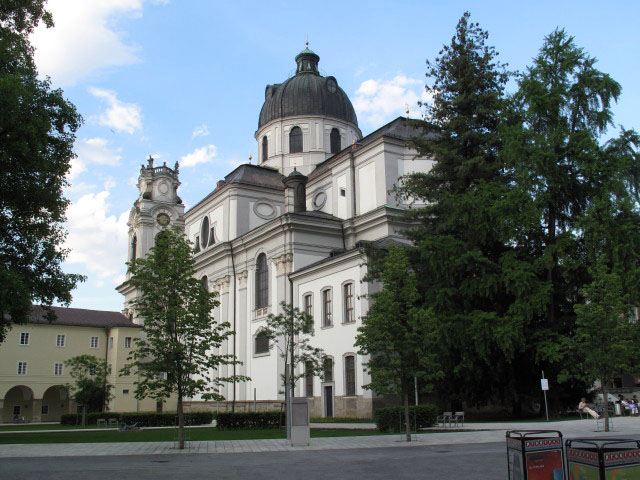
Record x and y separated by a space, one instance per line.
200 131
199 155
96 238
124 117
379 101
92 151
84 38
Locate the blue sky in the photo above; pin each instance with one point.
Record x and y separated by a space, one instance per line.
184 81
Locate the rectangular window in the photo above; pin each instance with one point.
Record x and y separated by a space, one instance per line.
22 368
125 391
16 409
308 306
110 342
328 369
94 342
308 379
326 308
24 338
60 340
45 410
127 342
348 303
57 369
350 375
126 370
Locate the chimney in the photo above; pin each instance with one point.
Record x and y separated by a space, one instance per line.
295 194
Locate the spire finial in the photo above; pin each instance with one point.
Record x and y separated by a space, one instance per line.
406 109
250 157
306 44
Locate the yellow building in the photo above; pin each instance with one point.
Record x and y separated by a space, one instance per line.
34 379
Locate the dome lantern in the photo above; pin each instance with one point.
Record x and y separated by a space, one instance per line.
307 61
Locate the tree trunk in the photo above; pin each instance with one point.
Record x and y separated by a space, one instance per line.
407 423
606 406
180 423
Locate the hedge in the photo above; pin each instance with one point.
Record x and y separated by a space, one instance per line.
165 419
250 420
391 419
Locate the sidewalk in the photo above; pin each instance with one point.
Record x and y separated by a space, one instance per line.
626 427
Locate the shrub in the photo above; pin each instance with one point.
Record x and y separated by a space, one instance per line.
151 419
391 419
250 420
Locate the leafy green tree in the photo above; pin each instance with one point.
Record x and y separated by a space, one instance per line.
398 334
607 337
91 389
577 195
463 225
177 352
37 131
290 333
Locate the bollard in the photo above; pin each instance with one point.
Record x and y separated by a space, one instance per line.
603 459
535 455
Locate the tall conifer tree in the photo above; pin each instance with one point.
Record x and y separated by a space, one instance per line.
460 237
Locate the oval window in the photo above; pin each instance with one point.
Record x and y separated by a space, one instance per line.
204 233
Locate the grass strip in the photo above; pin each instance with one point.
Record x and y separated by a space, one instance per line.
167 435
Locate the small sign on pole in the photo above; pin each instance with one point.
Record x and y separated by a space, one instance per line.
544 383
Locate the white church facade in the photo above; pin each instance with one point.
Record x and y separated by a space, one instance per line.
290 229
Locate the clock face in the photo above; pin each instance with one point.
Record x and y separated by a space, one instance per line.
163 219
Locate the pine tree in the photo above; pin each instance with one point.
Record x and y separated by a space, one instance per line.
461 236
578 195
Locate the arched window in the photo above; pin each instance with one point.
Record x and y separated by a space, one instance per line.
327 309
295 140
308 378
260 343
265 148
350 376
347 297
335 140
205 283
262 282
204 233
134 247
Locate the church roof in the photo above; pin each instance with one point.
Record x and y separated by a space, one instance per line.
306 93
398 129
248 174
80 317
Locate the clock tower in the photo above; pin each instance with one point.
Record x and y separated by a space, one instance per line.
157 208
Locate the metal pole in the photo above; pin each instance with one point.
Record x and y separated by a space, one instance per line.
546 408
415 387
255 405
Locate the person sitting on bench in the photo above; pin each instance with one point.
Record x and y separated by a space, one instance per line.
582 406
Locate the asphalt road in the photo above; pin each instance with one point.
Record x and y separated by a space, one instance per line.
485 461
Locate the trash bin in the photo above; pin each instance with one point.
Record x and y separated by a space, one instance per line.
603 459
618 409
535 455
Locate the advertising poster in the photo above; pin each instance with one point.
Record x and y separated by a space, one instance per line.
545 465
579 471
623 473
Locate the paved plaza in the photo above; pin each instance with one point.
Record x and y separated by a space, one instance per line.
474 433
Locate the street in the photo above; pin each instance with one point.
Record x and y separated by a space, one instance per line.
486 461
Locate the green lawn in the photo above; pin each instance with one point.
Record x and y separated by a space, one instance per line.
165 435
56 426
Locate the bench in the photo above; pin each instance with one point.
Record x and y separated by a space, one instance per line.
444 418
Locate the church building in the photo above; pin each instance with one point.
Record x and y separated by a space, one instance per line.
290 229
